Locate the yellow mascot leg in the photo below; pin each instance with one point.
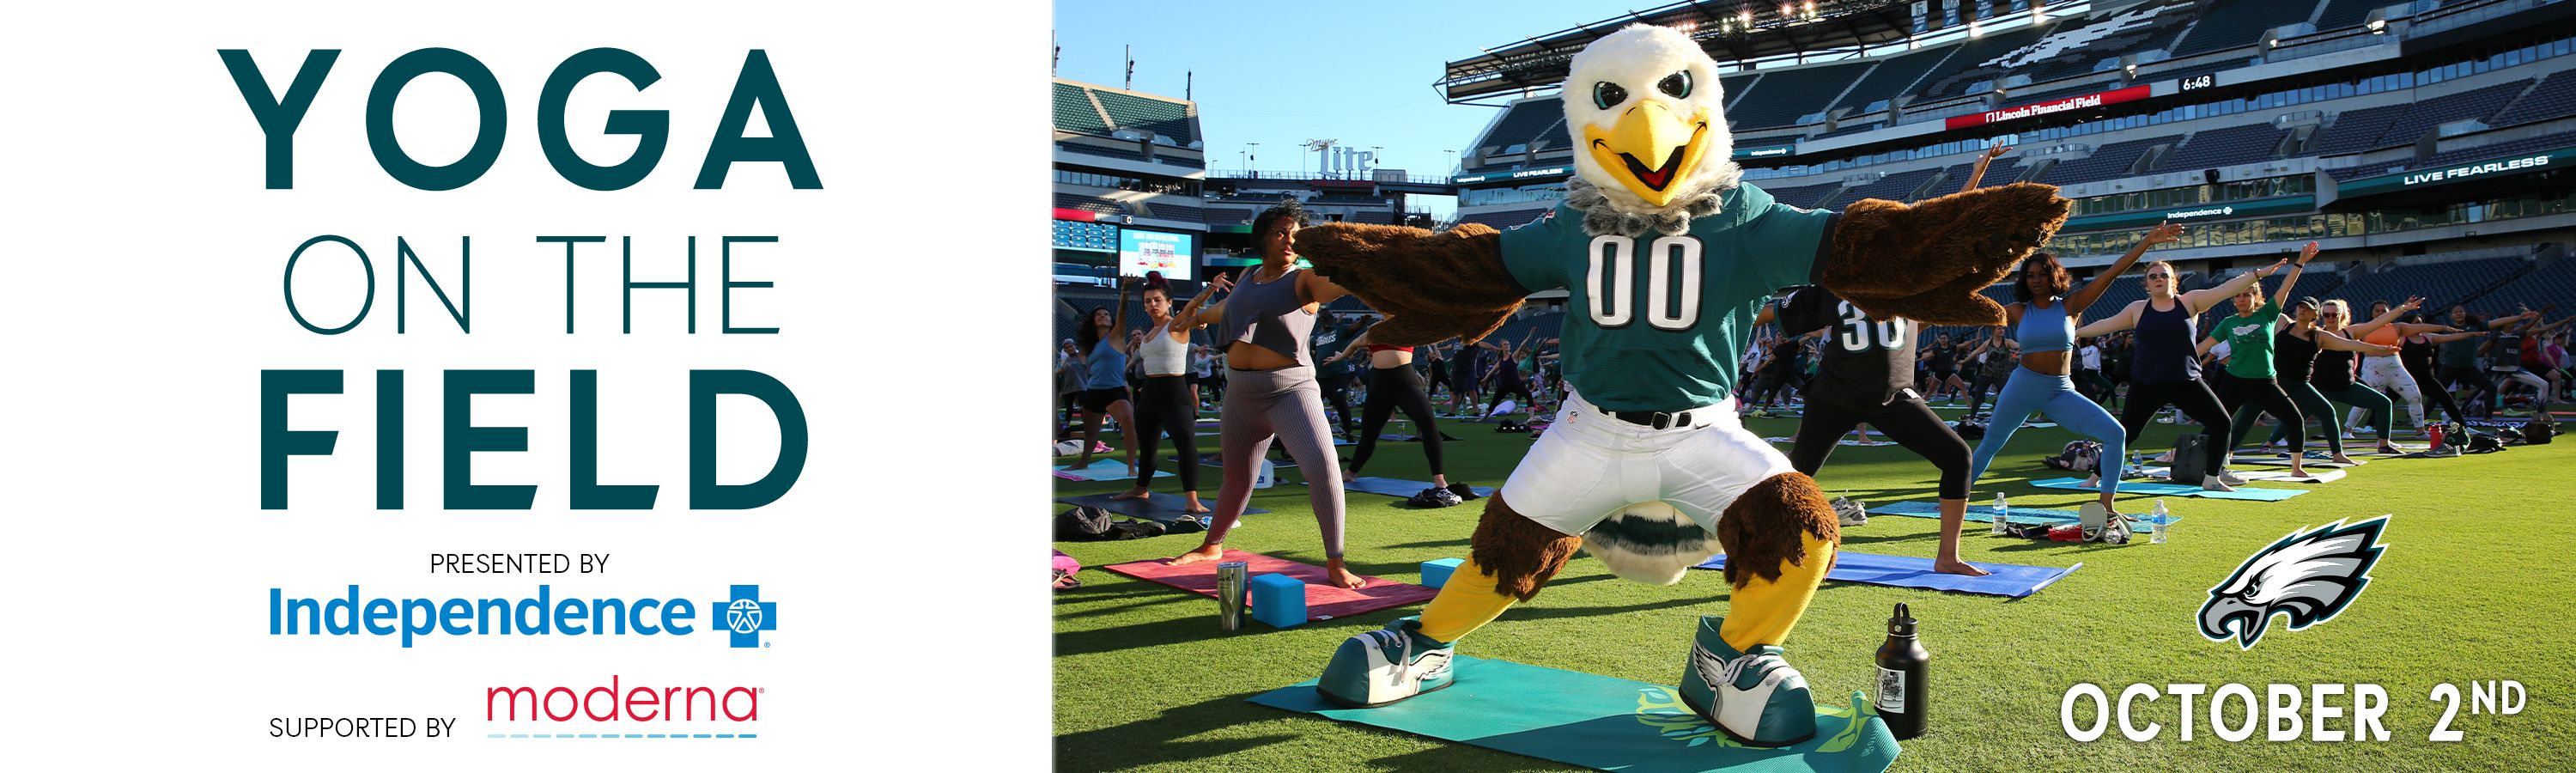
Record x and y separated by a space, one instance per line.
1764 610
1467 603
1509 559
1779 536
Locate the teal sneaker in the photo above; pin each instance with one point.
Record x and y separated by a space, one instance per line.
1384 666
1754 697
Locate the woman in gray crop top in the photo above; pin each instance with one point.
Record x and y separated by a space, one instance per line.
1271 389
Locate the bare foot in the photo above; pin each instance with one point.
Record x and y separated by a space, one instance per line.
1071 467
1338 575
1956 566
2298 471
2095 481
2345 461
1138 493
1204 553
1196 507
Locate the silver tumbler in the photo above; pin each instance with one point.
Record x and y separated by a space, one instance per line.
1232 593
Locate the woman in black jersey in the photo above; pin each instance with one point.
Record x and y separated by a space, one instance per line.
1393 385
2294 356
1866 374
1943 362
1507 374
2419 353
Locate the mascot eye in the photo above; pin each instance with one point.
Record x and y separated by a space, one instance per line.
1605 94
1677 84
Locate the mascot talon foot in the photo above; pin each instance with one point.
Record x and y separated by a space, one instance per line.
1754 697
1384 666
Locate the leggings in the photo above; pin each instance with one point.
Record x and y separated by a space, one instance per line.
1285 402
1507 387
2437 393
2026 391
2264 395
2527 378
1390 390
1163 409
2386 374
1907 421
2312 405
2383 412
2195 400
2476 380
1337 387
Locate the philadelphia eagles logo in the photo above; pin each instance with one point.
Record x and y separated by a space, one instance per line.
2310 577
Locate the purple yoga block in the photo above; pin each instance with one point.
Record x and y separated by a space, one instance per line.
1279 600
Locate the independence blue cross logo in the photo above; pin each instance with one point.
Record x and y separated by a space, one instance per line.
746 616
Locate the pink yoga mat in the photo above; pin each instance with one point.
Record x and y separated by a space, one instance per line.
1323 602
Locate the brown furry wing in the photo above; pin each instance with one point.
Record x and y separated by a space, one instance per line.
1429 285
1927 261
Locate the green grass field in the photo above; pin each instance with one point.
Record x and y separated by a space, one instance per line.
2474 584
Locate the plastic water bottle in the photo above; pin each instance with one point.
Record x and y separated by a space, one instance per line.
2001 509
2156 523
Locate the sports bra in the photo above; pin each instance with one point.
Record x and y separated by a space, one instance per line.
2384 335
2044 330
1163 356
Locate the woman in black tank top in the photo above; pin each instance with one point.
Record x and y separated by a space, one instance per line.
2165 367
2294 356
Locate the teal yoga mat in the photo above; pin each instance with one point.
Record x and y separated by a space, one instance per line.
2245 493
1603 723
2316 473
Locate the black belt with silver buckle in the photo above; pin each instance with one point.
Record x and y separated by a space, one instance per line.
1655 419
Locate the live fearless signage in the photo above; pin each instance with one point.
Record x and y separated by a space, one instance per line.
2453 173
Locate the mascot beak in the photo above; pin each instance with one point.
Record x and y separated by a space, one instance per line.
1650 149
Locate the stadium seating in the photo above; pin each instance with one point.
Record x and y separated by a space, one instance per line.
1505 218
2003 170
2422 116
2526 144
2354 130
1895 187
1089 204
1074 113
1849 128
2231 23
2131 286
1970 64
1227 215
1522 123
1807 196
2346 13
1894 75
2442 284
1163 118
2319 281
2107 162
2555 97
1783 95
1089 150
2225 147
2554 283
1171 208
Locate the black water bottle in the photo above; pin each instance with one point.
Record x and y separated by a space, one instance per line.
1901 666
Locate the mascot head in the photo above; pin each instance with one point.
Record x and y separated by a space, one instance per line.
2309 578
1645 107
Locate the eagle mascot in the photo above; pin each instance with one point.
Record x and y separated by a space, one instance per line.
1666 255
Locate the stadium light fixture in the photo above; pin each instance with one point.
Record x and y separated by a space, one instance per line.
2377 26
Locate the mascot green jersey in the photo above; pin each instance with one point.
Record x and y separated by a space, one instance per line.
1666 254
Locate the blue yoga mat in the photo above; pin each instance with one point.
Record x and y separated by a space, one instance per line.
2176 490
1985 514
1104 469
2013 580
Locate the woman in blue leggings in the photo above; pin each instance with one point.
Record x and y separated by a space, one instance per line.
2044 323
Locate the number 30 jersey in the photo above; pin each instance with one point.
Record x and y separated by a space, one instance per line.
1657 323
1865 363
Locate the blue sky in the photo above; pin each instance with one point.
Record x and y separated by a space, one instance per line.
1280 74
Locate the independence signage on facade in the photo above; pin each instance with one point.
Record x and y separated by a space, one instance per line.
2087 101
1766 151
2445 175
2192 214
